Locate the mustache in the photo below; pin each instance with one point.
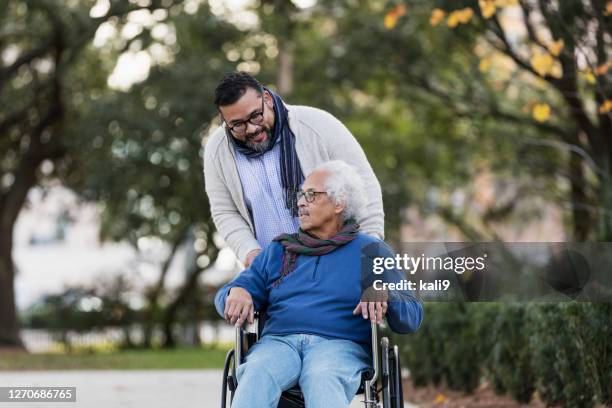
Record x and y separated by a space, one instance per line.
252 135
303 211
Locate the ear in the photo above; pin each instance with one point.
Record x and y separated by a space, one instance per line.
268 100
339 207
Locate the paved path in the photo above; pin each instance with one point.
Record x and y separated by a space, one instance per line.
127 389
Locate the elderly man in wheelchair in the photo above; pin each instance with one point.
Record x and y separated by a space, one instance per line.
319 342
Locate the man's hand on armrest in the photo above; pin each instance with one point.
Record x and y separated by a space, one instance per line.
373 305
238 307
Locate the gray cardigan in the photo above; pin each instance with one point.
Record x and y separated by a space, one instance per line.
319 137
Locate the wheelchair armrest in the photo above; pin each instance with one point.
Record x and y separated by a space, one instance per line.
371 376
244 338
374 376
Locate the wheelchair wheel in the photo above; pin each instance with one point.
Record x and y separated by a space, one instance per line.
391 376
229 379
398 395
386 384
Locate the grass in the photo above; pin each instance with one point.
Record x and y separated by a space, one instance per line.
209 357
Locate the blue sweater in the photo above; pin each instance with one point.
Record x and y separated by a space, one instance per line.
319 295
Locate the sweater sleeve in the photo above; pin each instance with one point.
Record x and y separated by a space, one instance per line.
253 280
342 145
405 310
229 222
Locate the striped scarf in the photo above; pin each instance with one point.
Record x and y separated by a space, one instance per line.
302 243
291 172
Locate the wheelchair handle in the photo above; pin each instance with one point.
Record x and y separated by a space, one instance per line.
238 348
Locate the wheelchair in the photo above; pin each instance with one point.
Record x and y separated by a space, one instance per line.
381 385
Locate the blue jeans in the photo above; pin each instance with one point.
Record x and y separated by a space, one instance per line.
327 370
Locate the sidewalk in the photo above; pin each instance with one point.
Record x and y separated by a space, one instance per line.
128 389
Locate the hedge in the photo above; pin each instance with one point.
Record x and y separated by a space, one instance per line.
561 350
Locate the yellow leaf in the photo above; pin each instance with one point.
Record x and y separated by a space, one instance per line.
606 107
465 15
541 112
440 398
390 21
603 68
556 71
556 47
484 65
453 19
542 63
608 10
392 16
487 8
459 17
590 78
437 15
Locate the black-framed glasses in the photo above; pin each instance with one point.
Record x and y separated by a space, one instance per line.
309 195
240 126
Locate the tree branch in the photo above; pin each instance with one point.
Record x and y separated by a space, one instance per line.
526 9
567 85
26 58
493 111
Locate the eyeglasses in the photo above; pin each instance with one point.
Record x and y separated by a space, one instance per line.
240 127
309 195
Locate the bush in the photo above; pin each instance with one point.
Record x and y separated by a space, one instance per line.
509 364
562 350
445 348
573 353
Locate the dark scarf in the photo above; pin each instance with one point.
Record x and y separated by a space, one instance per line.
291 172
302 243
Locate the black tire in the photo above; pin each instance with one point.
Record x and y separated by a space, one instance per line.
385 371
228 361
398 400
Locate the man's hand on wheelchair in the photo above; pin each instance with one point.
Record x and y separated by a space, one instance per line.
239 307
373 305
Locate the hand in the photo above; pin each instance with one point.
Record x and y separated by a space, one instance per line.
374 310
238 307
250 257
373 304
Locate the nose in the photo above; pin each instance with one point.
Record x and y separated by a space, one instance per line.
302 202
251 128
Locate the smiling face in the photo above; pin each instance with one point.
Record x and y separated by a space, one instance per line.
321 217
256 136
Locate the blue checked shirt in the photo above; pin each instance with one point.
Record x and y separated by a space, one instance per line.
264 195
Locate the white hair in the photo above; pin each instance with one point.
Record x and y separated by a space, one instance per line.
344 185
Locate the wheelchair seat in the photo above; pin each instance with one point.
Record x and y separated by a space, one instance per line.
388 374
365 375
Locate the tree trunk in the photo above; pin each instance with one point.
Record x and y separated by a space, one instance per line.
9 327
581 210
606 210
285 68
10 206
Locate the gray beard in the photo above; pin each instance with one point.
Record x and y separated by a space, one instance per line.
261 147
